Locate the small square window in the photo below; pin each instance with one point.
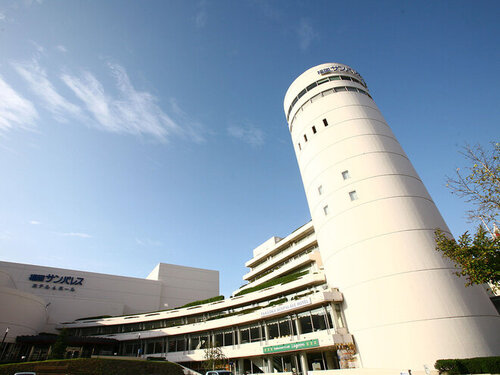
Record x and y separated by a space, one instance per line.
314 129
326 210
320 189
353 195
305 137
345 175
325 122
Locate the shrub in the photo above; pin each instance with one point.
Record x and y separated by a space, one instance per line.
479 365
280 280
203 301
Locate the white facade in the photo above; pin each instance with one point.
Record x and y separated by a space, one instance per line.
36 298
375 225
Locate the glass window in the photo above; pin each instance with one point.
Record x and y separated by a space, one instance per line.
345 175
352 89
305 322
329 316
300 148
345 78
172 344
320 189
294 101
311 86
325 122
353 195
194 343
314 129
338 313
318 319
284 326
272 329
228 338
301 94
334 78
245 335
219 339
305 137
339 89
255 334
321 81
326 210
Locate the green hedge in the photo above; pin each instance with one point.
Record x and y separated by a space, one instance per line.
480 365
203 301
98 366
279 280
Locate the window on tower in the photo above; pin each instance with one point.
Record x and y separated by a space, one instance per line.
305 137
320 189
345 175
314 129
353 195
326 210
325 122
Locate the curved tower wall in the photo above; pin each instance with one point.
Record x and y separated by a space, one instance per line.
403 303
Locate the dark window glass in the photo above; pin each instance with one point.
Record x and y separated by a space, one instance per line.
172 345
272 329
194 342
352 89
150 348
295 101
203 342
318 319
305 137
345 78
300 148
334 78
255 333
338 89
314 129
219 339
245 336
321 81
228 338
181 344
285 327
305 322
325 122
301 94
355 80
311 86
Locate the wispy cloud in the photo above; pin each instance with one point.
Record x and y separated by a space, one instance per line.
306 34
2 16
75 234
14 109
37 79
248 134
61 48
35 222
147 242
201 16
133 112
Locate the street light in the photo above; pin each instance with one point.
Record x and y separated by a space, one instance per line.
3 341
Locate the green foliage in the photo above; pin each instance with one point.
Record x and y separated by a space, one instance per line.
202 302
280 280
59 348
214 358
277 302
480 365
98 366
478 258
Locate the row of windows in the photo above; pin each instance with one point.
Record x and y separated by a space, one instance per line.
314 130
353 195
320 82
323 94
318 319
283 263
190 319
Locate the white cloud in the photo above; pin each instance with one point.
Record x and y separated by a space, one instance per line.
36 77
2 16
248 134
14 109
200 18
133 112
61 48
306 34
35 222
147 242
76 234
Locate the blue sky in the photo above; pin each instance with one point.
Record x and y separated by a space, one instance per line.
133 133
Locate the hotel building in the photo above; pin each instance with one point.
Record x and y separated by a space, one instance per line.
360 286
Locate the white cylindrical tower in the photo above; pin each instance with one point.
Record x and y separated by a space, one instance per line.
375 225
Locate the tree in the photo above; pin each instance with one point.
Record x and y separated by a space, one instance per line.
477 257
214 357
59 348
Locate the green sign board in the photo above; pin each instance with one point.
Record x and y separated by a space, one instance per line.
291 346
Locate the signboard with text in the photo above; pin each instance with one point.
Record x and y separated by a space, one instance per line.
55 282
291 346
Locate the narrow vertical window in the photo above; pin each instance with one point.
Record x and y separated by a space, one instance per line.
320 189
305 137
326 210
325 122
314 129
345 175
300 148
353 195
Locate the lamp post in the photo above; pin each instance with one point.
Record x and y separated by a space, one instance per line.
3 341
